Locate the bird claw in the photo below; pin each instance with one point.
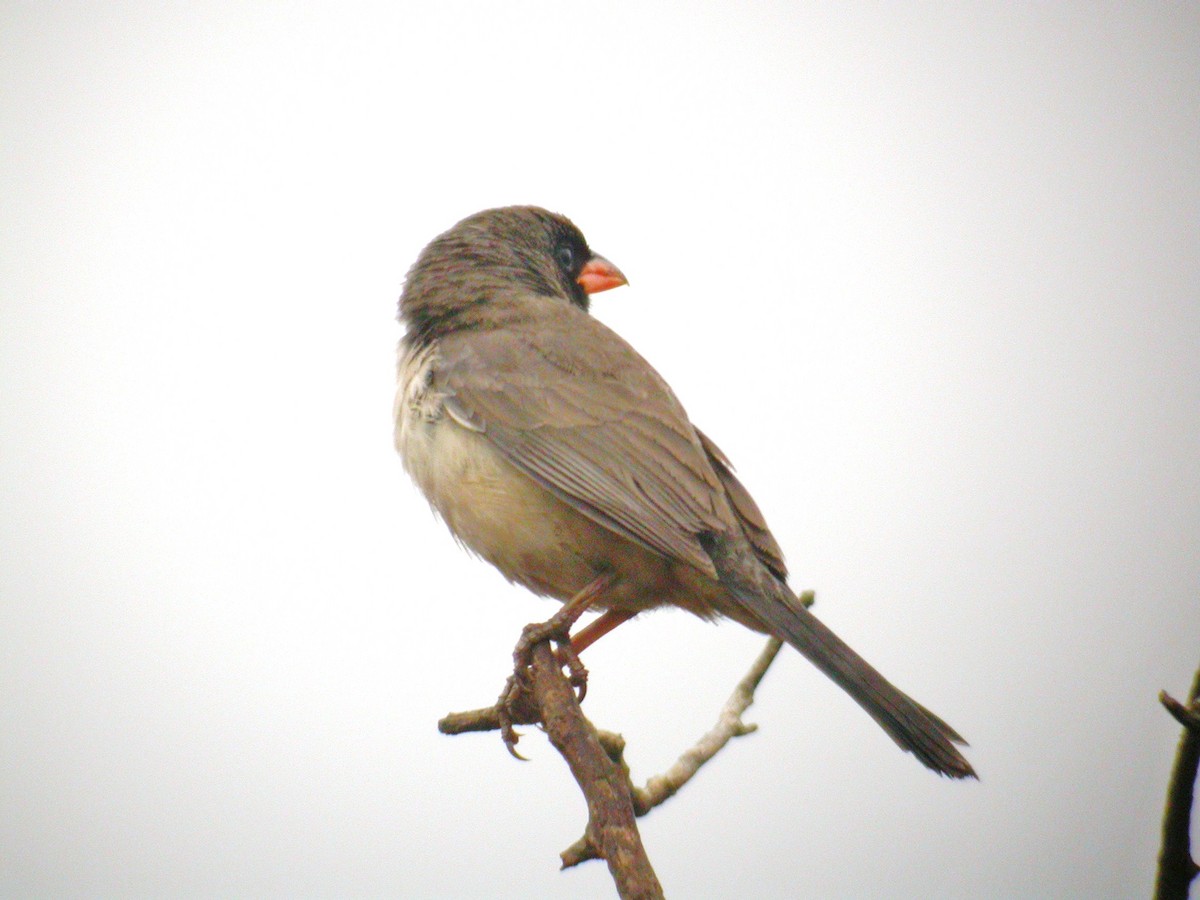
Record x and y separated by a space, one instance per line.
516 705
512 699
577 673
557 629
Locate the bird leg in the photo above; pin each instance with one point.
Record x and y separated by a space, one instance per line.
593 631
557 629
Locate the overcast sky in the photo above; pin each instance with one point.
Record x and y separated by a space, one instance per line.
930 277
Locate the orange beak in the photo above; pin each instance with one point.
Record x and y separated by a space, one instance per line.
600 275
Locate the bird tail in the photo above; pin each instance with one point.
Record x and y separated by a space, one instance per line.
914 728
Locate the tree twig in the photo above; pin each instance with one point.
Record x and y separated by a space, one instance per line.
660 788
542 694
596 758
1176 868
611 830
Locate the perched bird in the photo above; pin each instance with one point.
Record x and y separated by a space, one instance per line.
558 454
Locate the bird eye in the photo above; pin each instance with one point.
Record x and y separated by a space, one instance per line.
565 256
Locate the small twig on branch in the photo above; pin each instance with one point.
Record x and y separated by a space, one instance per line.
1176 868
596 759
662 787
1185 716
729 725
487 719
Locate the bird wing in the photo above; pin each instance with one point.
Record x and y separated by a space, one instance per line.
766 548
574 407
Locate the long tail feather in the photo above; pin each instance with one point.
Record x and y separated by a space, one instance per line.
908 723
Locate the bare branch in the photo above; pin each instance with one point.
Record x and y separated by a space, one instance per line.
521 711
596 758
612 830
1187 717
487 719
729 725
542 693
1176 868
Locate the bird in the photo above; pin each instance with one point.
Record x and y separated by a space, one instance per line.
555 452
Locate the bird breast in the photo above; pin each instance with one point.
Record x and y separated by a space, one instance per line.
503 515
492 507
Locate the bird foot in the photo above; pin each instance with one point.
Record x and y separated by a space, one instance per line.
516 703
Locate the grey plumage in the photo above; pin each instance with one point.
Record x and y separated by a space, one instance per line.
556 452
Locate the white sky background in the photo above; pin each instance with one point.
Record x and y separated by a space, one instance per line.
931 278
